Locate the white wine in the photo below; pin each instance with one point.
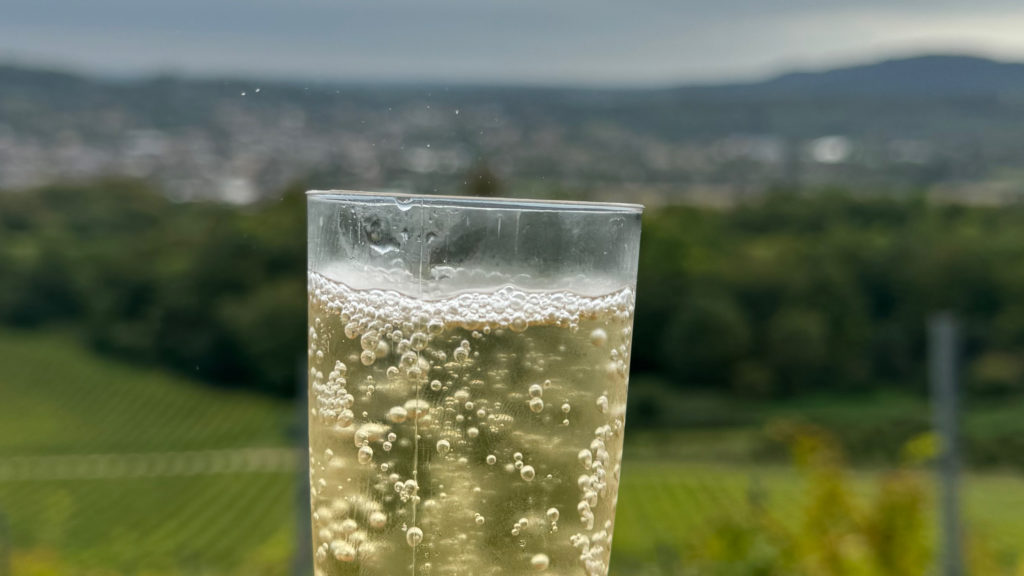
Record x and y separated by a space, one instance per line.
478 433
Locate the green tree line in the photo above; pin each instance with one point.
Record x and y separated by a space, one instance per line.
793 294
208 289
828 292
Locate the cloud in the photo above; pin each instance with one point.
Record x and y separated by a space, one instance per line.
549 41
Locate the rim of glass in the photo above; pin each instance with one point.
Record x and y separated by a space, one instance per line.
443 201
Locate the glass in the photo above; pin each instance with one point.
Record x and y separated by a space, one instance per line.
468 361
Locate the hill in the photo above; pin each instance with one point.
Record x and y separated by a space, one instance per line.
932 76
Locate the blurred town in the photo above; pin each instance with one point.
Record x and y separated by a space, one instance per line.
948 125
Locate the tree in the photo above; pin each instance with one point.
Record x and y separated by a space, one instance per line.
706 339
796 347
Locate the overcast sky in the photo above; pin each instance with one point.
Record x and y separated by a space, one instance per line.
600 42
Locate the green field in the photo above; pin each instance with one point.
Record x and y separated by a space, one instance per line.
202 481
199 503
57 398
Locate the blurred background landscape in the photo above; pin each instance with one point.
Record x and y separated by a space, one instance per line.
816 190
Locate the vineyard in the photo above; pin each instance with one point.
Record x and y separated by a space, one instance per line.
106 468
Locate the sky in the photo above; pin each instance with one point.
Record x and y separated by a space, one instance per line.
559 42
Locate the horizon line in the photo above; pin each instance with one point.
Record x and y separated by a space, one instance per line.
439 82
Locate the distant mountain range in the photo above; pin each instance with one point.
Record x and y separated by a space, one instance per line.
929 75
935 75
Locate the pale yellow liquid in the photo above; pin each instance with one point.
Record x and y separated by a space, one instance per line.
476 436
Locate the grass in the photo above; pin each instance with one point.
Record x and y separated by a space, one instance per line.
57 398
662 505
212 523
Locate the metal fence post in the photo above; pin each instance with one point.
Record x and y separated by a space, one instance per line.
942 375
